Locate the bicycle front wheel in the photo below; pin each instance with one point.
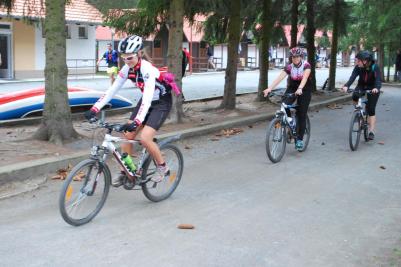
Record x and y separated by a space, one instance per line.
276 139
84 192
365 129
355 130
160 191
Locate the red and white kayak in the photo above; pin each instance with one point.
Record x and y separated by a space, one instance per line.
29 103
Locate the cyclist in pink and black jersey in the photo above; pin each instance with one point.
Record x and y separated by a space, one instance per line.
151 110
299 82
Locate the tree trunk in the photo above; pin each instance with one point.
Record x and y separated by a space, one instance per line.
294 23
56 125
333 58
264 49
380 59
310 40
174 56
234 28
388 63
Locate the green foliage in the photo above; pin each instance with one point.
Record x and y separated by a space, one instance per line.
105 5
323 41
7 4
375 22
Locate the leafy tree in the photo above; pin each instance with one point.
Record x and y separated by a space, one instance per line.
264 48
310 39
294 23
377 26
105 5
234 28
56 125
175 22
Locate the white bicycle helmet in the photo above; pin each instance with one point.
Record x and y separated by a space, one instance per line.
131 44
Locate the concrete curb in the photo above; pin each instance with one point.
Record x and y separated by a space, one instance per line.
26 170
396 85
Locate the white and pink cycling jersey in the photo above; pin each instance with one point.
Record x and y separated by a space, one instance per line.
146 77
297 72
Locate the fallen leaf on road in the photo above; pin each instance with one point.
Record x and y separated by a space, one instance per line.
232 131
214 139
79 176
334 106
381 143
185 226
250 126
187 147
323 143
382 167
62 173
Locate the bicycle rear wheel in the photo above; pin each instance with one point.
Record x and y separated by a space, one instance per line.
84 192
276 139
355 130
306 134
160 191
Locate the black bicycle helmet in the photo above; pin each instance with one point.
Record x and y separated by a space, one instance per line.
364 55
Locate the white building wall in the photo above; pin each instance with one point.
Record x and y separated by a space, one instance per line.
81 53
253 52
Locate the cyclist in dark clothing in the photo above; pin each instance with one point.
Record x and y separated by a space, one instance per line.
369 79
299 82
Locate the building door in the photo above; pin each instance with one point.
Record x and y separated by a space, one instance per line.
5 51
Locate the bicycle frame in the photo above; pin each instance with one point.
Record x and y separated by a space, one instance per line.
108 146
283 114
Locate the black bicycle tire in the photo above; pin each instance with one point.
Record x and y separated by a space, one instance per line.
68 180
267 142
308 128
355 117
365 129
148 194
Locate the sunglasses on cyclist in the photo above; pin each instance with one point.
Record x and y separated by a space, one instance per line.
130 57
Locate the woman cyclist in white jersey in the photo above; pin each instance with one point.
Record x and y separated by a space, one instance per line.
151 110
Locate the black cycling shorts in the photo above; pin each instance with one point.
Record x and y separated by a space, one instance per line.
157 112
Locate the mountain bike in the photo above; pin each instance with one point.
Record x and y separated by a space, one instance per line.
86 187
359 121
283 129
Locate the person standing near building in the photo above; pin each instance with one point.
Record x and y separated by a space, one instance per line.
111 57
209 53
185 60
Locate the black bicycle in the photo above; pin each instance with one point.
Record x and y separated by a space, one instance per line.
283 129
86 187
359 120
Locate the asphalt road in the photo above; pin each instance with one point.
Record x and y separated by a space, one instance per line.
197 86
327 206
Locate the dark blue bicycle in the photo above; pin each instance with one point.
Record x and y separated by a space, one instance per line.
359 121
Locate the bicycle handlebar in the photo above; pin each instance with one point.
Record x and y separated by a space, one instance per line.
282 95
109 126
359 91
